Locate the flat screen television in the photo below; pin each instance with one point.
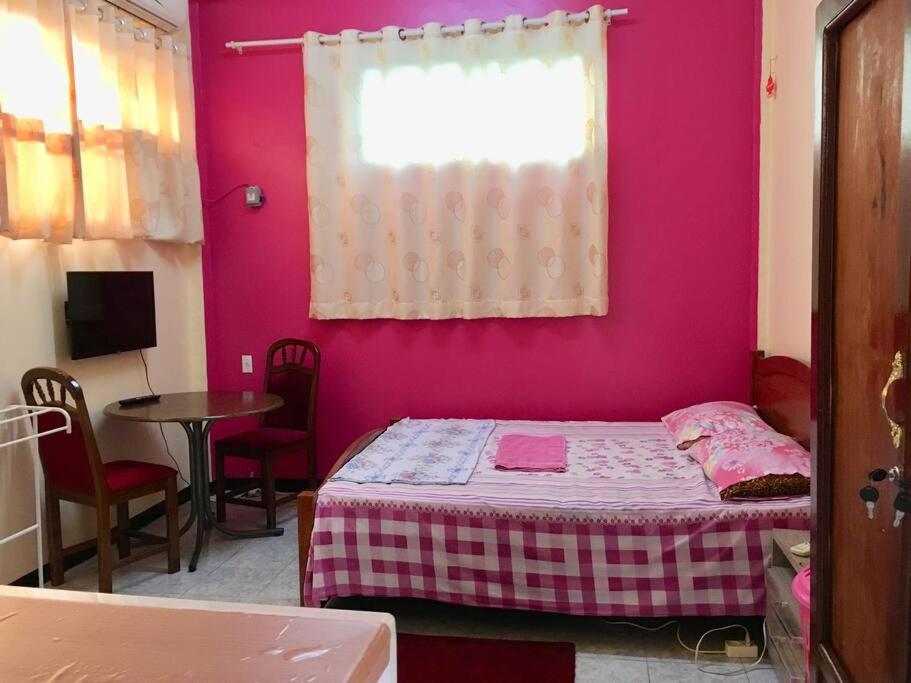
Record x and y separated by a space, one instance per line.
110 312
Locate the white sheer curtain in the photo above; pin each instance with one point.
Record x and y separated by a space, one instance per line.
137 147
459 176
36 156
134 172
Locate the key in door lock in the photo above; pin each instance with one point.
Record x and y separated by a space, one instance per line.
870 494
902 505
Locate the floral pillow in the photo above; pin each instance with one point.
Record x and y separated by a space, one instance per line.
689 425
746 463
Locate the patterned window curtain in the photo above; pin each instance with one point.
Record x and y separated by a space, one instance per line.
135 168
458 176
140 177
36 142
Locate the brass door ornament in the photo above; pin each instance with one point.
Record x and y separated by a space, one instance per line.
898 372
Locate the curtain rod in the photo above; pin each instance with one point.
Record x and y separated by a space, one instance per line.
144 35
404 33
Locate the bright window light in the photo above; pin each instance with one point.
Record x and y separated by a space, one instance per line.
33 76
525 112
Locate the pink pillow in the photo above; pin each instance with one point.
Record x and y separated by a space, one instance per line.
689 425
747 463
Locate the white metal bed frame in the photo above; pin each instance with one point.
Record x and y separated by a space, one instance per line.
31 413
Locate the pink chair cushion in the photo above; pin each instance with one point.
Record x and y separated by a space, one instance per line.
262 439
123 475
688 425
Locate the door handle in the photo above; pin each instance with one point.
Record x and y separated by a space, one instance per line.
898 372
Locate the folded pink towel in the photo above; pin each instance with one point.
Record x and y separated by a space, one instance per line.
532 453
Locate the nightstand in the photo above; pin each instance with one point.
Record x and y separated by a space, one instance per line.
782 611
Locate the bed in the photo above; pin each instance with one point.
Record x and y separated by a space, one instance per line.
632 529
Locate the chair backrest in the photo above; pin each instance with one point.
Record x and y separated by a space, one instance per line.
292 372
71 462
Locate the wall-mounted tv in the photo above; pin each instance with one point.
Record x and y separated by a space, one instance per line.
110 312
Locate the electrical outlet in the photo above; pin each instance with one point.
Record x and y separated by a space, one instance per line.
253 195
739 649
246 364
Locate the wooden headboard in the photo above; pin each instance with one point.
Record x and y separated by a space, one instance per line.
781 394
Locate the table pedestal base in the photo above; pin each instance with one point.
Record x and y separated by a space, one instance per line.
200 508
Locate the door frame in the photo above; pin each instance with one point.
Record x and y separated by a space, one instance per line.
831 17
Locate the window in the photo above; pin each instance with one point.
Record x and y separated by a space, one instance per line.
522 113
458 176
135 156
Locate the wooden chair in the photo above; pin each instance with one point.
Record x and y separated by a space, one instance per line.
74 471
292 372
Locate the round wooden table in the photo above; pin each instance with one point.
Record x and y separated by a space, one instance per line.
196 412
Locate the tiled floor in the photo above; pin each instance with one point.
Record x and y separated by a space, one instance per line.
265 571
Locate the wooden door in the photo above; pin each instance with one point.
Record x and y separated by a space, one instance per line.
861 586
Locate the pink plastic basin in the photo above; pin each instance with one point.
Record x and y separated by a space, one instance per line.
801 589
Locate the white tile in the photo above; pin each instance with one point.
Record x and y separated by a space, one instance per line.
84 577
241 584
685 671
764 674
285 586
253 518
263 552
214 552
160 583
609 669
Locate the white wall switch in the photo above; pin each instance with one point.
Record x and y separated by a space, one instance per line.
246 364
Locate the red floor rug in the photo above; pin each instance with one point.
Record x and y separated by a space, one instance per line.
441 659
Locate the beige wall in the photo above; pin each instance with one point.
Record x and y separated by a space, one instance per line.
32 332
786 178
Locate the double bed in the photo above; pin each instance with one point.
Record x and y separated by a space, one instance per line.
633 528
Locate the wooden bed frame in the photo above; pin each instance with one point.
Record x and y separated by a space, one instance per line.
781 395
780 391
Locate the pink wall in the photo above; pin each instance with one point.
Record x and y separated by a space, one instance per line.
682 241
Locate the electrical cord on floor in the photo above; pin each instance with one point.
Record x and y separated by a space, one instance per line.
697 651
743 668
662 626
164 438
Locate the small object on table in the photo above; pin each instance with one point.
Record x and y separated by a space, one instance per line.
196 412
139 400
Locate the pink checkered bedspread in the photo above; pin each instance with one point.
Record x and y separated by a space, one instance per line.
632 529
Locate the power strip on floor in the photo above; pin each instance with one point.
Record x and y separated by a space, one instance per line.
740 649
